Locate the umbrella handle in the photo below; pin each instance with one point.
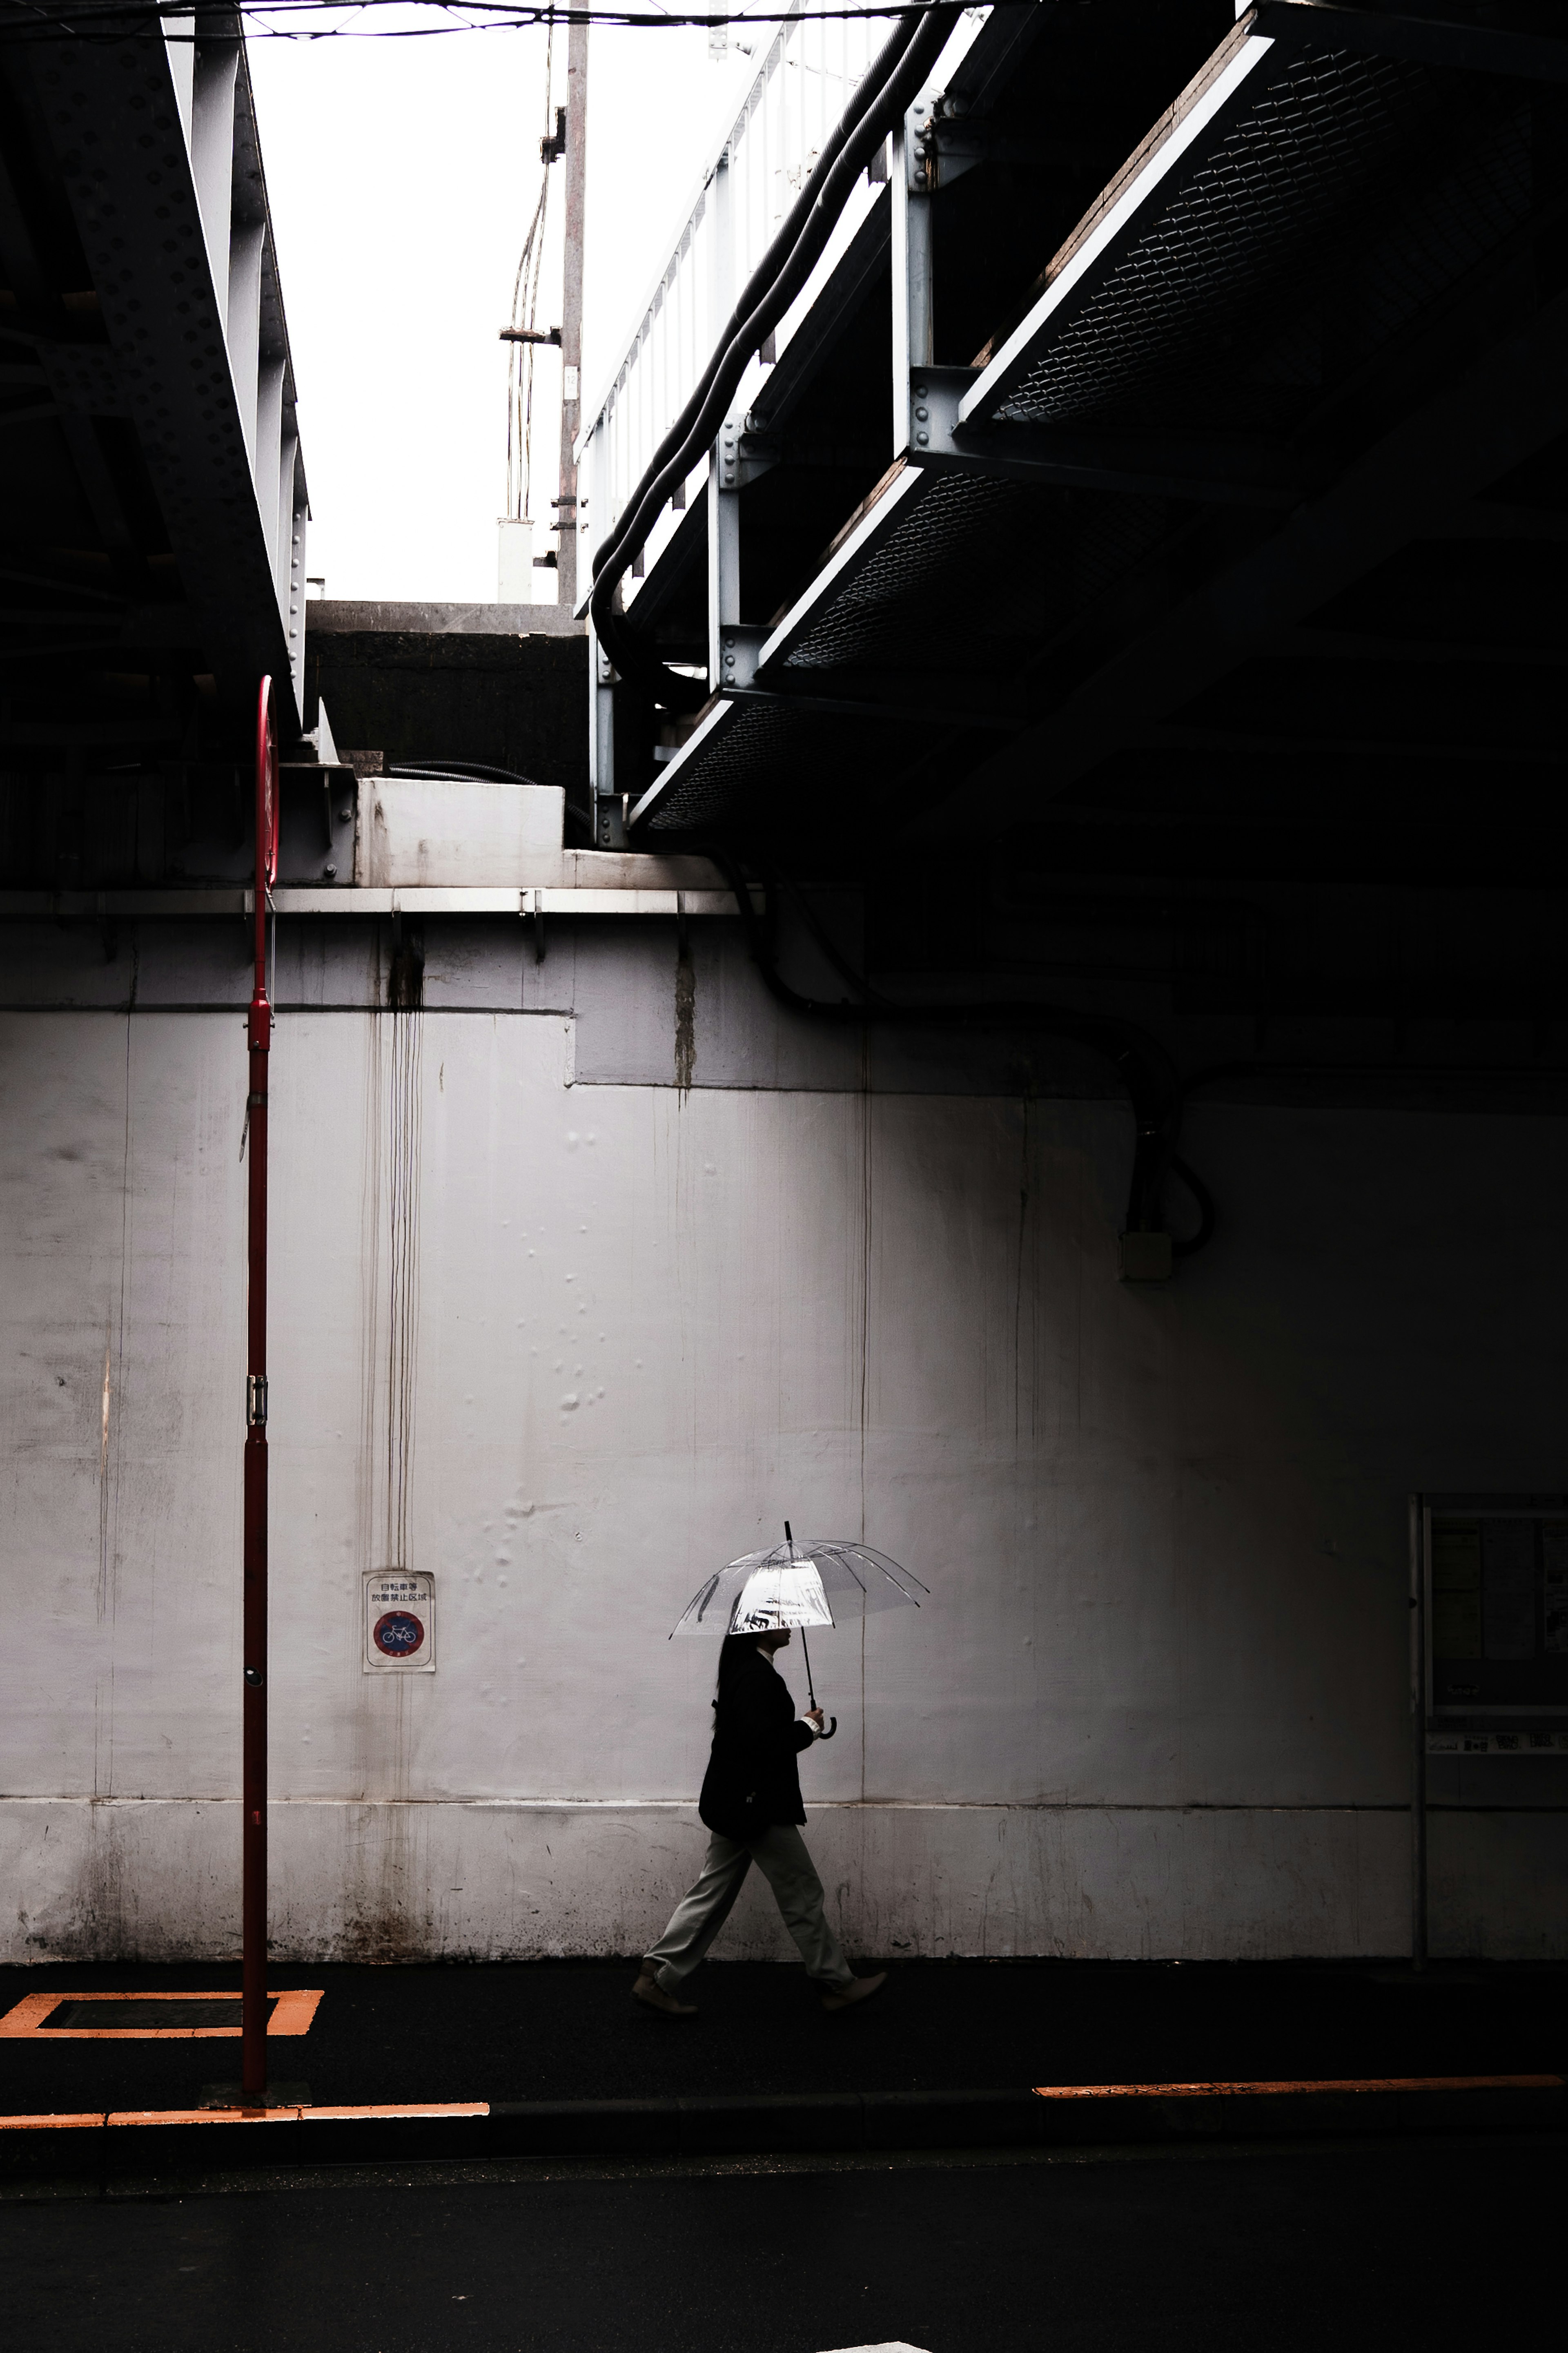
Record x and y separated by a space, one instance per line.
805 1653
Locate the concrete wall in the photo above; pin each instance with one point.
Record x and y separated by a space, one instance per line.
504 834
618 1330
507 688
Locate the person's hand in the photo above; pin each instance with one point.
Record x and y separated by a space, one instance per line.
813 1717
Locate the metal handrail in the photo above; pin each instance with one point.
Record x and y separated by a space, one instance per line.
751 177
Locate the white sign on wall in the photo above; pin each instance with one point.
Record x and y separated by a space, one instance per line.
399 1622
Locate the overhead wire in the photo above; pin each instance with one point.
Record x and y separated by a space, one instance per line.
524 315
119 19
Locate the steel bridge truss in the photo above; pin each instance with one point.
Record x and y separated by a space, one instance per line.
1158 474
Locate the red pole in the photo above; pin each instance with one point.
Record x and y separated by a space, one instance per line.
259 1032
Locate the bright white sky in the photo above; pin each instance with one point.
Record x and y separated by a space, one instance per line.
403 174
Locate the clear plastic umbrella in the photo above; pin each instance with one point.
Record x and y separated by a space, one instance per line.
819 1582
813 1583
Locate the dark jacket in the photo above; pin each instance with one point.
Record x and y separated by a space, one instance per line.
752 1779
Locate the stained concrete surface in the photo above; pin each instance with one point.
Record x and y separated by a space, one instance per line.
1387 2246
569 2030
1158 1703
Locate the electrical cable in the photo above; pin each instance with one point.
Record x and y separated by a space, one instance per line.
1139 1061
890 81
524 315
1185 1245
119 20
454 771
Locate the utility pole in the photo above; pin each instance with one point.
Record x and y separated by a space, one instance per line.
571 305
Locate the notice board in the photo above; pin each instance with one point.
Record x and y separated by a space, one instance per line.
399 1622
1494 1591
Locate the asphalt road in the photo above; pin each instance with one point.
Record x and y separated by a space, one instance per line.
1392 2245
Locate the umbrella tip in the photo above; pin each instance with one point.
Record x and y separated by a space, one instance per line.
788 1538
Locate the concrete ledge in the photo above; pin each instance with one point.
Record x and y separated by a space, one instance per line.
345 617
153 2141
410 899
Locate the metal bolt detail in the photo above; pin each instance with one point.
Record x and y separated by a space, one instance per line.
922 439
922 414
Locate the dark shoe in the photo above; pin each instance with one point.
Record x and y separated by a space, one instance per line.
858 1989
647 1989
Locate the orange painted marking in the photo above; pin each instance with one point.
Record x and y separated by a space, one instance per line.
1338 2083
291 2015
48 2124
292 2012
290 2116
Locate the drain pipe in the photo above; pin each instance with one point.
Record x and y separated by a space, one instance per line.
259 1036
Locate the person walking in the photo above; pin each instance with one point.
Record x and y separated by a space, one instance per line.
750 1803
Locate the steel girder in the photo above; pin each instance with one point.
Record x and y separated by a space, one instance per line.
1147 388
160 519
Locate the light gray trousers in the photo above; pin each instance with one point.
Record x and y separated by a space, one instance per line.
780 1854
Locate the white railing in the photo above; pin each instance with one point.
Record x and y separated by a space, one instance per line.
752 177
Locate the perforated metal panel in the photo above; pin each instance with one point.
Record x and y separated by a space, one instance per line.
755 741
1314 135
767 748
970 578
1431 233
1110 534
927 559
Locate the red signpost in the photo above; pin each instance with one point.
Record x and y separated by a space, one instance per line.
259 1032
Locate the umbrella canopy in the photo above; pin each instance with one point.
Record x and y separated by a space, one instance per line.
813 1582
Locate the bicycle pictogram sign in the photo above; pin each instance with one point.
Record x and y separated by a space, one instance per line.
398 1633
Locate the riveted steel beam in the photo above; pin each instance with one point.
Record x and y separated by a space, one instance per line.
155 149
